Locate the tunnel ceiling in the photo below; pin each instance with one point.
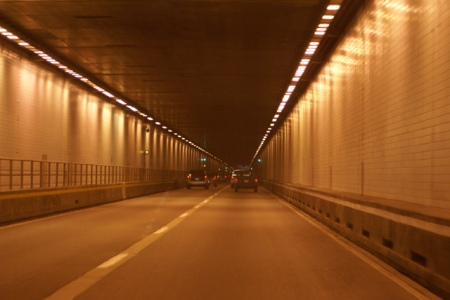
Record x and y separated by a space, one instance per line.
215 70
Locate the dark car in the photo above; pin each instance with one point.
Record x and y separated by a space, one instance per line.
197 178
221 177
212 179
245 180
233 176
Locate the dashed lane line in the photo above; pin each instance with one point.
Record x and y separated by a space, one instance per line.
81 284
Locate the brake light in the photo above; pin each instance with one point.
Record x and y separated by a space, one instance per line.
206 177
188 176
256 180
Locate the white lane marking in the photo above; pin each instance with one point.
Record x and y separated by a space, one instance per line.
76 287
367 257
184 215
161 230
113 261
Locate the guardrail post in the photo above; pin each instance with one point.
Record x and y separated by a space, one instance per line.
21 174
10 174
32 174
57 170
49 173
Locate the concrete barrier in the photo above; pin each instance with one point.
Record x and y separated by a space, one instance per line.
24 204
414 240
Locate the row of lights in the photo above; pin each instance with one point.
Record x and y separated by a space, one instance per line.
313 45
8 34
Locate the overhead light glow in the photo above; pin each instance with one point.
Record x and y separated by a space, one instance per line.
157 123
324 25
7 33
333 7
12 37
121 102
319 33
106 93
291 88
285 99
24 44
132 108
295 79
328 17
164 127
276 116
150 119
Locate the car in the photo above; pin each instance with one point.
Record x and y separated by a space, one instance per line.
221 177
233 176
245 180
197 178
212 179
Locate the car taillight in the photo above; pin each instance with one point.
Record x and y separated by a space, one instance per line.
206 177
188 176
256 180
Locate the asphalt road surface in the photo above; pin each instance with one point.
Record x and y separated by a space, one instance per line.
189 244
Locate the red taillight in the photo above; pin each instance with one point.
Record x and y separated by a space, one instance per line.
256 180
235 179
188 176
206 177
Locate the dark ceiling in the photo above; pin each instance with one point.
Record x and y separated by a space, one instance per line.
215 70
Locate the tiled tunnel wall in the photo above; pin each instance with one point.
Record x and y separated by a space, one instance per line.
46 115
376 120
375 124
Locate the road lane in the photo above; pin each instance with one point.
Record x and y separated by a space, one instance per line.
245 246
39 257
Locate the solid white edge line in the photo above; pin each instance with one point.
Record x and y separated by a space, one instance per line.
366 257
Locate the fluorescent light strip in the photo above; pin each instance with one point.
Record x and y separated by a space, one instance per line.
320 31
132 108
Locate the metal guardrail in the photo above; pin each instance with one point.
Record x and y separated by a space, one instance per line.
18 174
